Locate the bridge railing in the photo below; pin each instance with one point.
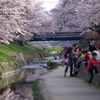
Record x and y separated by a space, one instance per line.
59 35
49 36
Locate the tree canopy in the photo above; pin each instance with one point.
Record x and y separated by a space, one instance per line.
76 15
20 18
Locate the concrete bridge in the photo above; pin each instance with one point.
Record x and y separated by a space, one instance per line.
59 37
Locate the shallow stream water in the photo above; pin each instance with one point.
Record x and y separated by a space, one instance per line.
15 85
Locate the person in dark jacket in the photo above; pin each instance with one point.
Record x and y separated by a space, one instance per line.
91 46
71 61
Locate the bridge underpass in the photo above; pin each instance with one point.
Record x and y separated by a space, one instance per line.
59 37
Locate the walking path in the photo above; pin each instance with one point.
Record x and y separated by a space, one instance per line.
54 86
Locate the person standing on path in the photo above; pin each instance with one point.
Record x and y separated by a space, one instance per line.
67 65
70 59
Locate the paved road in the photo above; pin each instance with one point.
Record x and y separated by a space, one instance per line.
55 87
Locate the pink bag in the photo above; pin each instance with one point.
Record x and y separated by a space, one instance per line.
67 60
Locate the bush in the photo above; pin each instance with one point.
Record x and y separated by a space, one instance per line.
49 62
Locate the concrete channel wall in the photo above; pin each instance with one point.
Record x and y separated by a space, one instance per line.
20 60
11 72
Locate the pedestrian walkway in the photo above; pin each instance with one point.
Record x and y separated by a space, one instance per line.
56 87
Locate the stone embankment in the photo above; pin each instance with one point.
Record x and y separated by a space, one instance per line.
85 76
10 70
13 72
20 60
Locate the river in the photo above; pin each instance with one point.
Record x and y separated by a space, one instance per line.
17 85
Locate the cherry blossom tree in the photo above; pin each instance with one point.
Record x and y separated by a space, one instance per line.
20 18
76 15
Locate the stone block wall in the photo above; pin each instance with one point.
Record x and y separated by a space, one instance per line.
85 76
11 72
19 60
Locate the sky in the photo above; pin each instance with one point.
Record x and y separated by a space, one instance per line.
49 4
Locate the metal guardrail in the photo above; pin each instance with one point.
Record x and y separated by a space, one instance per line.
54 36
59 35
58 38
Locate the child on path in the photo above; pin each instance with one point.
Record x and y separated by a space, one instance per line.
91 66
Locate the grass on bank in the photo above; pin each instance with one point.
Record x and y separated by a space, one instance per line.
7 51
54 48
35 89
33 47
